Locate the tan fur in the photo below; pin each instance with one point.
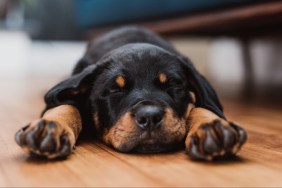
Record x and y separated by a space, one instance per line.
190 106
96 121
193 97
66 116
173 127
199 116
120 81
162 78
121 132
188 111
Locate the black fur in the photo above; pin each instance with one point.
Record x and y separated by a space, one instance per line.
139 55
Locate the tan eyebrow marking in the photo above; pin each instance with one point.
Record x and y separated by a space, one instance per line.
120 81
163 78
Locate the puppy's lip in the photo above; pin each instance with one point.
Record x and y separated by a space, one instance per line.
149 145
147 138
145 135
149 141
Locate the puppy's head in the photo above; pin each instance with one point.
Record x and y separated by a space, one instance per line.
141 100
140 96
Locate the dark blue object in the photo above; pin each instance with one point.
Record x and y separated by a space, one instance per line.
91 13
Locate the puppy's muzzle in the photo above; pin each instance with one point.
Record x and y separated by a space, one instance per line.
148 117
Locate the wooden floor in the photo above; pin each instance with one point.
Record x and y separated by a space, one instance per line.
259 163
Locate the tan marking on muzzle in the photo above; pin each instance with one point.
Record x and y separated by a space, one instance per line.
121 132
174 128
125 134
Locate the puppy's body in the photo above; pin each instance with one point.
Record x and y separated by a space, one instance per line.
141 95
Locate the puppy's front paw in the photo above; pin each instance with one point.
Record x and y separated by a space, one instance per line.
45 138
215 140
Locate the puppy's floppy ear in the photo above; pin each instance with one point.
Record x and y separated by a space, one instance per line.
75 89
205 95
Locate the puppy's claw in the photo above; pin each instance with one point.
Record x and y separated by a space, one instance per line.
240 132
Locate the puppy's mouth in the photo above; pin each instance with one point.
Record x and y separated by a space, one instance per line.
149 144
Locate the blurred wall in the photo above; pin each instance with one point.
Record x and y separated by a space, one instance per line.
226 66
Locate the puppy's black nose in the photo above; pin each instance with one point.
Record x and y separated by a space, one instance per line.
149 117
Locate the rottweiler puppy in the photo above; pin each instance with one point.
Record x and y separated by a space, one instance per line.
139 95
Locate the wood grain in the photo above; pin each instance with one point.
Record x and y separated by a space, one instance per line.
259 163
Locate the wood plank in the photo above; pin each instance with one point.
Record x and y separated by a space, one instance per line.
93 164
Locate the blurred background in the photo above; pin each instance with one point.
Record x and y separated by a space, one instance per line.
236 44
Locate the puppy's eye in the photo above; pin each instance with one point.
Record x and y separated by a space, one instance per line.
171 85
176 93
117 86
114 90
177 82
167 82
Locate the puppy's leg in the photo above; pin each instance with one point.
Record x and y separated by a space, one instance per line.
53 135
212 137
